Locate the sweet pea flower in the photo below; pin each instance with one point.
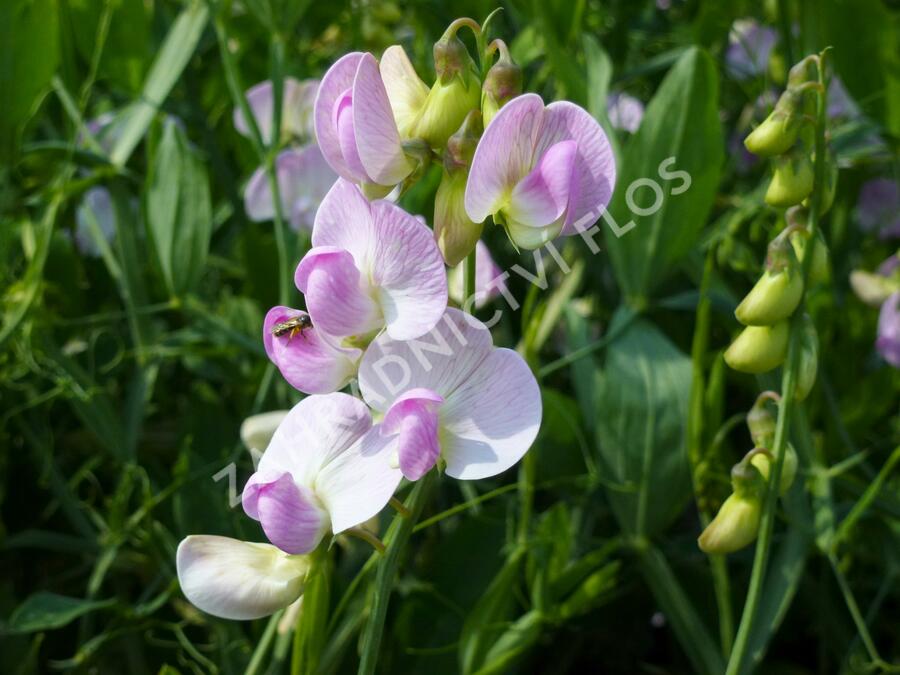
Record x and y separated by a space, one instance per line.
452 395
372 266
363 111
257 430
750 46
326 470
304 178
888 341
309 359
541 171
238 580
625 112
878 207
296 109
488 278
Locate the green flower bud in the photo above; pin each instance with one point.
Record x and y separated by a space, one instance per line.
734 527
774 297
809 359
819 268
831 175
792 181
763 462
761 422
775 136
759 349
502 83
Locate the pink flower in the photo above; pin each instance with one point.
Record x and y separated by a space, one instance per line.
452 395
750 46
304 178
888 341
488 278
325 470
625 112
309 359
372 265
541 171
362 112
296 109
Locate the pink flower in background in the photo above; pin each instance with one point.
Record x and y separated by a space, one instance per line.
452 395
325 470
488 278
888 341
372 265
96 206
309 359
541 171
878 207
625 112
750 46
357 122
296 109
304 178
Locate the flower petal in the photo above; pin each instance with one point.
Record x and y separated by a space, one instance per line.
541 197
440 361
337 80
261 99
257 430
408 272
413 418
336 294
505 155
308 359
357 483
236 579
288 513
299 99
346 135
489 278
489 421
377 138
344 220
405 90
595 166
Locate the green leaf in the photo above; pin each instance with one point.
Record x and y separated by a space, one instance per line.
513 643
179 212
680 132
47 611
173 58
29 35
641 413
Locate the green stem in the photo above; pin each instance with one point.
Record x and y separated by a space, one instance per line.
311 630
469 280
263 646
589 349
401 529
785 409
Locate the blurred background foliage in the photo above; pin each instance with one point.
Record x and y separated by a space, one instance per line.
124 376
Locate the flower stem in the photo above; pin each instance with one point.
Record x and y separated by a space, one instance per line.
398 536
469 281
785 409
263 646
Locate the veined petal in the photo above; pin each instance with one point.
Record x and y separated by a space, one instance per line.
310 360
336 294
405 90
346 135
289 513
490 420
236 579
344 220
541 197
595 166
336 82
504 156
407 271
441 360
413 419
377 138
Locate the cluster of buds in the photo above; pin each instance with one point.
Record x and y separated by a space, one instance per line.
737 522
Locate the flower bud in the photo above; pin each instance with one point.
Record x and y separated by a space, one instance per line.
761 422
792 181
819 267
831 175
775 136
774 297
763 462
759 349
734 527
503 82
809 359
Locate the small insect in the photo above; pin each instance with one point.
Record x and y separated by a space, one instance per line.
292 326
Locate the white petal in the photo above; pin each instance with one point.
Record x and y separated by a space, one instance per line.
257 430
406 91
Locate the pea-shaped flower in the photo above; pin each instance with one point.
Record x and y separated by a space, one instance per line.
372 266
297 100
452 395
541 171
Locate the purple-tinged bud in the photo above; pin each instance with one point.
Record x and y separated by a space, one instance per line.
502 83
759 349
792 181
808 365
760 420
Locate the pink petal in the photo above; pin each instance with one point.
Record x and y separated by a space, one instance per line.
405 90
344 220
595 167
439 361
356 484
492 418
261 99
337 80
377 138
288 514
541 197
336 294
413 418
488 278
408 271
504 156
309 360
346 135
299 100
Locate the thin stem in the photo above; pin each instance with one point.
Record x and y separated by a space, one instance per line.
785 409
469 280
263 647
587 350
387 572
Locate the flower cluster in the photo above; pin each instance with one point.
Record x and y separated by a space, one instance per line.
434 393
